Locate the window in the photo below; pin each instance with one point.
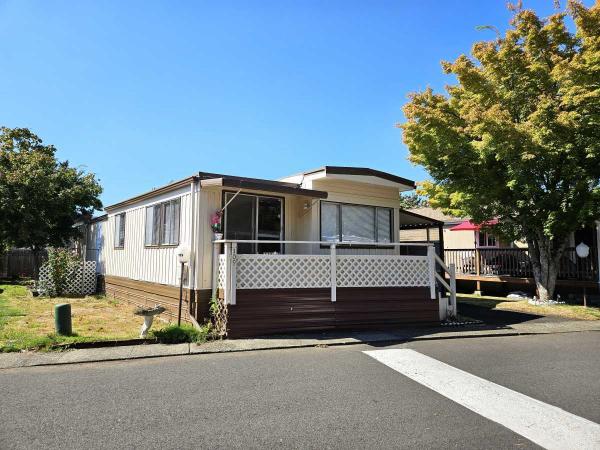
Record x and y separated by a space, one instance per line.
254 218
487 240
342 222
120 230
162 223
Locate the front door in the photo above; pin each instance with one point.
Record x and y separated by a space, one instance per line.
254 217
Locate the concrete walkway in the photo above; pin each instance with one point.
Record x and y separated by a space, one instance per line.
28 359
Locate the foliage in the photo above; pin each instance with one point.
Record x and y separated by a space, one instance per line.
518 138
177 334
40 197
413 200
62 265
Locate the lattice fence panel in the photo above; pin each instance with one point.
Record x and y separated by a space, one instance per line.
381 271
221 272
81 281
282 271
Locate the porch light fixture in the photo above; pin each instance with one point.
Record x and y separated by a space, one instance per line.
183 256
583 251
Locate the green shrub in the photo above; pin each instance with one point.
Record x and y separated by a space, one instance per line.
62 264
174 334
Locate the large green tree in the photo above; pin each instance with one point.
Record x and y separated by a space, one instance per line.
413 200
517 137
40 197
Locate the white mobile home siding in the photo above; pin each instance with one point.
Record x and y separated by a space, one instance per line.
135 260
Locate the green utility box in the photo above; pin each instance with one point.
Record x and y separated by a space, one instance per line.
62 319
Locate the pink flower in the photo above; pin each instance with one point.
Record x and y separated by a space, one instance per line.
215 221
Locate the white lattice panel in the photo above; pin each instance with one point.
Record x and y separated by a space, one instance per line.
81 281
282 271
221 272
382 271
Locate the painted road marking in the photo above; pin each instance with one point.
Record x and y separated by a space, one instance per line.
541 423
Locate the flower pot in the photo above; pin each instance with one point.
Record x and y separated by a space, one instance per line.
218 236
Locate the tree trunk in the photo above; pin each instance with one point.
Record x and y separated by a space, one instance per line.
545 255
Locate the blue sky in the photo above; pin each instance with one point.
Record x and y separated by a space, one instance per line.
145 92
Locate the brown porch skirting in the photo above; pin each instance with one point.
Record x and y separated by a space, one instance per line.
267 311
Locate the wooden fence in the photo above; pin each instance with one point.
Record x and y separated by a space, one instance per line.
20 262
514 262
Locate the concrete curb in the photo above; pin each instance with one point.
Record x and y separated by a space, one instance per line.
131 352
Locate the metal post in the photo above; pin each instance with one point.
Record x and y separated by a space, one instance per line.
333 268
180 295
227 293
478 270
431 261
452 273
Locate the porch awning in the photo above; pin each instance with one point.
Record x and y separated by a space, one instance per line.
410 220
212 180
467 225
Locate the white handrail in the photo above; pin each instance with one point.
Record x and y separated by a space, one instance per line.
328 243
451 271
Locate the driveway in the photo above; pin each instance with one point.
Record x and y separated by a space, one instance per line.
333 397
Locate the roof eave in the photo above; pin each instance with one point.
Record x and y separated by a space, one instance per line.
257 185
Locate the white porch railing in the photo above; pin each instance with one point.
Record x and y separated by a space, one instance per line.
232 271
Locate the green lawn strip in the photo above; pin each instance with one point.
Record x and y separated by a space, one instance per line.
8 310
16 304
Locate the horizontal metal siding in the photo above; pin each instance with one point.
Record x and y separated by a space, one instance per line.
135 261
267 311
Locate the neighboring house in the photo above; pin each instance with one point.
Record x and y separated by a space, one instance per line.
482 258
459 233
314 250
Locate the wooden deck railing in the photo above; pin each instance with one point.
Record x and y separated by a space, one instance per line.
514 262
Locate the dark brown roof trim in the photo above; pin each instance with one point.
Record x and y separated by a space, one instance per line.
161 190
425 219
342 170
259 185
99 218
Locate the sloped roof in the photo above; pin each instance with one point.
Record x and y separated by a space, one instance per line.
436 214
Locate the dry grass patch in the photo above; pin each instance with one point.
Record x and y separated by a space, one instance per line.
567 311
27 322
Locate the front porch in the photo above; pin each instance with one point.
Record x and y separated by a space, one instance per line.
276 293
512 266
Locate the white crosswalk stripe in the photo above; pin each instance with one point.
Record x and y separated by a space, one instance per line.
541 423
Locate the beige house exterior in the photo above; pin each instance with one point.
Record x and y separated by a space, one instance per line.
278 233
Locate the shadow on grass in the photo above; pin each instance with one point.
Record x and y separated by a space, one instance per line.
485 310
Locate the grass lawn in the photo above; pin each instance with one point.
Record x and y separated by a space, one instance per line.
501 303
27 322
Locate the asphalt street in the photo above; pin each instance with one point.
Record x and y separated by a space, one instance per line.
334 397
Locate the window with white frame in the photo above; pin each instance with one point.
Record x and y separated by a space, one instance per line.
342 222
120 230
486 239
162 223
